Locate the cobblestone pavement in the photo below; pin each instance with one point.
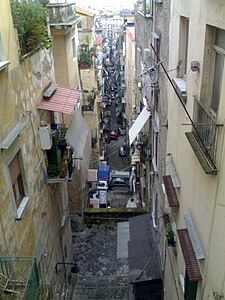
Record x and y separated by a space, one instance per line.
102 275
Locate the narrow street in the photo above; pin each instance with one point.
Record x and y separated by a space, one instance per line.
102 274
99 248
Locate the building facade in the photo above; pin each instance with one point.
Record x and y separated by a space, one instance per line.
36 237
195 143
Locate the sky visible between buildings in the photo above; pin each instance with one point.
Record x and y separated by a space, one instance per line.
105 3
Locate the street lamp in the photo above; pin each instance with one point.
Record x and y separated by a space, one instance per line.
75 268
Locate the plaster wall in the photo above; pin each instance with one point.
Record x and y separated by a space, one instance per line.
39 231
200 194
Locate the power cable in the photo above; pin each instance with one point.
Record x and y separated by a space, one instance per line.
184 107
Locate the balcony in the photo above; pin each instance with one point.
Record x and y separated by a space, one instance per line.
145 8
19 278
59 157
61 12
202 138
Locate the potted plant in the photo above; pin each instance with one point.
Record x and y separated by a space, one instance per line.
169 230
169 234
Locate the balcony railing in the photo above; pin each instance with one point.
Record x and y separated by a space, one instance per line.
206 127
19 278
59 158
203 137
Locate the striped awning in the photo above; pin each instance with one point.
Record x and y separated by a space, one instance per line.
170 191
189 255
62 100
135 157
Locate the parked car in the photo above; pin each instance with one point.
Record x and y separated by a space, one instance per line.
118 182
113 135
122 151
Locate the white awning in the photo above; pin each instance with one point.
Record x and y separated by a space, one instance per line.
138 124
78 136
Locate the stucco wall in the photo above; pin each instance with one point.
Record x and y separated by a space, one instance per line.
39 232
200 194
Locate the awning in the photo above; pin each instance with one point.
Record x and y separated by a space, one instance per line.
135 158
144 259
7 142
138 124
170 191
63 100
78 136
189 255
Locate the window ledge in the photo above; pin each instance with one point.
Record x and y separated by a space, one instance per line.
4 64
181 87
21 209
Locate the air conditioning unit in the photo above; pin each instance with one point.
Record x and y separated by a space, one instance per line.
45 136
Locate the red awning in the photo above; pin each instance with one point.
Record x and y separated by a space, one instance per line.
62 100
170 191
189 255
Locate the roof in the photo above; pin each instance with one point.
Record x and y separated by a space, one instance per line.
84 11
170 191
62 100
144 261
189 255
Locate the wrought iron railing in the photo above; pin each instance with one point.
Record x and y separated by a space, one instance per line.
205 124
19 278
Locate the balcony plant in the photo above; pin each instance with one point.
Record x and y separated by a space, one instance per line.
30 20
169 230
84 56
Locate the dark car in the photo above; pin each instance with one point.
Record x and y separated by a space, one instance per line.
113 135
119 183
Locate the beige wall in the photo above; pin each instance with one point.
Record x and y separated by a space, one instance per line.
200 194
66 68
40 231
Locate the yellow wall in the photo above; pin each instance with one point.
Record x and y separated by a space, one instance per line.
200 194
39 231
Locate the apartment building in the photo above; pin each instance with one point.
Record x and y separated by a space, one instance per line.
194 266
36 159
63 23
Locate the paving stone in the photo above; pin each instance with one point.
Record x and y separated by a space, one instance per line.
95 252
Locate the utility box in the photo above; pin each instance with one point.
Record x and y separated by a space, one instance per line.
45 136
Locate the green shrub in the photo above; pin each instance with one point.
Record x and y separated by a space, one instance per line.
30 20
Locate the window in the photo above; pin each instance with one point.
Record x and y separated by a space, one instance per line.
213 68
18 185
74 47
218 63
183 47
146 8
16 180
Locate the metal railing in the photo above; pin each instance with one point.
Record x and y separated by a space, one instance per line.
206 126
